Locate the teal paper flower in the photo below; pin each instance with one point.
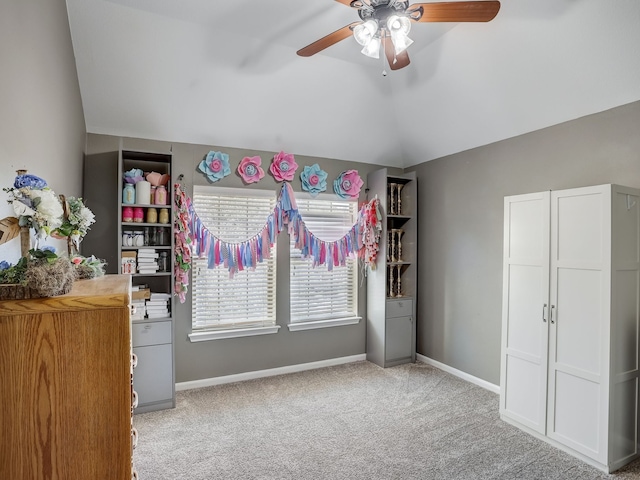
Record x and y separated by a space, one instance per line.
216 166
314 179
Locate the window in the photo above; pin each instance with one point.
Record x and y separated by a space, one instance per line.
246 301
319 296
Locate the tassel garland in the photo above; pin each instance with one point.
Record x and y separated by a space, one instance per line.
360 240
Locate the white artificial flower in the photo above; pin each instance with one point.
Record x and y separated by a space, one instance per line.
49 211
20 209
87 218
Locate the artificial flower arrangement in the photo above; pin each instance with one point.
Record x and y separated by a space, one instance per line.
41 272
76 222
35 204
88 267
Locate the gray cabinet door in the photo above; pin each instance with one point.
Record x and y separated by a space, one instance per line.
153 376
398 338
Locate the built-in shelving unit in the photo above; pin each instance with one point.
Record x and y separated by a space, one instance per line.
138 248
391 286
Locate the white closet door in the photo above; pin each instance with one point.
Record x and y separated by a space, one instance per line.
579 319
525 306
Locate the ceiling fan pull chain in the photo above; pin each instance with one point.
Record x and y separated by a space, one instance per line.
382 57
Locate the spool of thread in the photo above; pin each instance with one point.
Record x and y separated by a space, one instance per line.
143 192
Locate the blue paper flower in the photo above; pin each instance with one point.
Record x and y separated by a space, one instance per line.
314 179
215 166
28 180
4 265
49 248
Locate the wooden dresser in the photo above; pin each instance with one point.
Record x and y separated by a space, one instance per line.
66 396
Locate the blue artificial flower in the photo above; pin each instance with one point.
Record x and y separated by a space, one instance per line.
4 265
314 179
215 166
31 181
49 248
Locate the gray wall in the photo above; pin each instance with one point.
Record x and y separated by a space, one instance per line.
41 120
460 224
195 361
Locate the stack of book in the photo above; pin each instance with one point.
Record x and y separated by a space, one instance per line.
147 260
158 305
138 309
138 295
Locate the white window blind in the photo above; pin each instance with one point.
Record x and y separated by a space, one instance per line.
316 293
249 298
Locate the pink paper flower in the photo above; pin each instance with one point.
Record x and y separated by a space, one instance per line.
283 167
250 169
348 184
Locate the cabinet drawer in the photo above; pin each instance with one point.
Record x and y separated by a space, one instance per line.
400 308
152 333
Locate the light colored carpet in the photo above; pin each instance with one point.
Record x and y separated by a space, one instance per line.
354 421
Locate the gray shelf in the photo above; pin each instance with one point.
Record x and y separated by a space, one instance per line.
391 321
154 379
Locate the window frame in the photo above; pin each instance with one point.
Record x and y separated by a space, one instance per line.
235 329
339 320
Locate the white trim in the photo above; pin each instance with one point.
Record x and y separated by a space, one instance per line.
234 333
333 322
459 373
239 377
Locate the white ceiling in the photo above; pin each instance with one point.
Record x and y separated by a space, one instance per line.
226 73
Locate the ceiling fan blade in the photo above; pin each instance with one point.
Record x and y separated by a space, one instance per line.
327 41
396 62
478 11
354 3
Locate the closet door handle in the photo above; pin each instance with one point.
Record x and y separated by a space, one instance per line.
551 319
544 313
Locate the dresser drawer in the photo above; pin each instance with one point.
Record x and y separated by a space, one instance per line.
400 308
152 333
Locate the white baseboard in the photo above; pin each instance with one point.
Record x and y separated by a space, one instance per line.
459 373
239 377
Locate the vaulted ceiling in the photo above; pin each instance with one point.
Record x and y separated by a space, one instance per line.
226 73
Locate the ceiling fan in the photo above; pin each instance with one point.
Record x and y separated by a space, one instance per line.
387 23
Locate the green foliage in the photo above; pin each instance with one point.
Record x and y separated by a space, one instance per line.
15 273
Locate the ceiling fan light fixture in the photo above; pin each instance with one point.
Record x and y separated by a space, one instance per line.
398 24
372 49
400 42
365 32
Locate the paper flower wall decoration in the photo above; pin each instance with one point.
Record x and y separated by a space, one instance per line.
348 184
314 179
215 166
283 167
250 169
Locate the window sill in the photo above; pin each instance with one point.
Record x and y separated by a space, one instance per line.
334 322
235 333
